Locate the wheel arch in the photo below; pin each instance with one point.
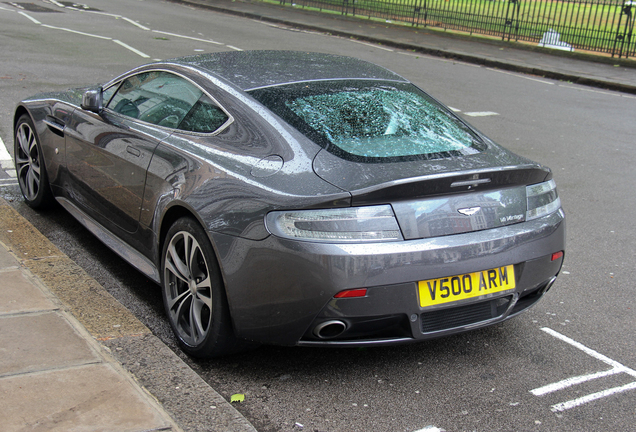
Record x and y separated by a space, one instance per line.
170 216
19 112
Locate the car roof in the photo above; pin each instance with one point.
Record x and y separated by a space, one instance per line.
249 70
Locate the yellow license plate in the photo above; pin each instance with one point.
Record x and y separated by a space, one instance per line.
453 288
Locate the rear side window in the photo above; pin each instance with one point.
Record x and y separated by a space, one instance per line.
205 116
371 120
168 100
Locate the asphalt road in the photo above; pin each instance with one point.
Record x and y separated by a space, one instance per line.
517 376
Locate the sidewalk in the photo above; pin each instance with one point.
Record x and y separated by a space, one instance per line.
581 68
72 358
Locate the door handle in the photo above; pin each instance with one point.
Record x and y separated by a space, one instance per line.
133 151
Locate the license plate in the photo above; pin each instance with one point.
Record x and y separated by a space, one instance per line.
449 289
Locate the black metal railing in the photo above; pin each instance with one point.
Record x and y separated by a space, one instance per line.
605 26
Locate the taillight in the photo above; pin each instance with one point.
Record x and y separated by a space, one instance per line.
542 199
339 225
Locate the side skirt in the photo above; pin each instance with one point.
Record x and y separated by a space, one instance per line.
133 257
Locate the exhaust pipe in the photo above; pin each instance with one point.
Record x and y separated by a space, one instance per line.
330 329
548 285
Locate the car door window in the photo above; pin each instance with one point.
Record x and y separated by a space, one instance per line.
109 92
168 100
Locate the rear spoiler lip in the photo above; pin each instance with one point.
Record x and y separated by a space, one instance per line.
452 183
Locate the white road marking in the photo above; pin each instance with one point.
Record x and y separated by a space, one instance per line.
4 154
616 368
188 37
592 397
589 351
569 382
454 109
6 162
128 47
431 429
135 23
101 13
30 17
77 32
481 114
57 3
5 9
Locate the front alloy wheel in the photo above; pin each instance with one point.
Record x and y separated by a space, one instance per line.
29 165
193 292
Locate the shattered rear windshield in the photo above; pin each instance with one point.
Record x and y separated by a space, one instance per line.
371 120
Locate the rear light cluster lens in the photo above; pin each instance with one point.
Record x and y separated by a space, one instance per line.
543 199
345 225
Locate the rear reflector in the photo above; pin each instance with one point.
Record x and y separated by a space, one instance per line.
557 255
360 292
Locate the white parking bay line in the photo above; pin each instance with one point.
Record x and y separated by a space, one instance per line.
430 429
4 154
481 114
371 45
128 47
76 32
30 17
135 23
187 37
592 397
6 163
569 382
590 351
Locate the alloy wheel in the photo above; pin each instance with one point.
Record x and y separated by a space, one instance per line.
27 160
188 288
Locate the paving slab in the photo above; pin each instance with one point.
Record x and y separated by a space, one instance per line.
19 294
7 260
92 398
40 341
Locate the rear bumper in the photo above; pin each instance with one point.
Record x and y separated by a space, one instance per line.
280 290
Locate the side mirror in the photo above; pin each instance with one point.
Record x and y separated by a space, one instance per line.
93 100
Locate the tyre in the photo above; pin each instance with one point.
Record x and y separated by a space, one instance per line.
29 165
193 292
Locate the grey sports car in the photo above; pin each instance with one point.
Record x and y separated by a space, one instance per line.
296 198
